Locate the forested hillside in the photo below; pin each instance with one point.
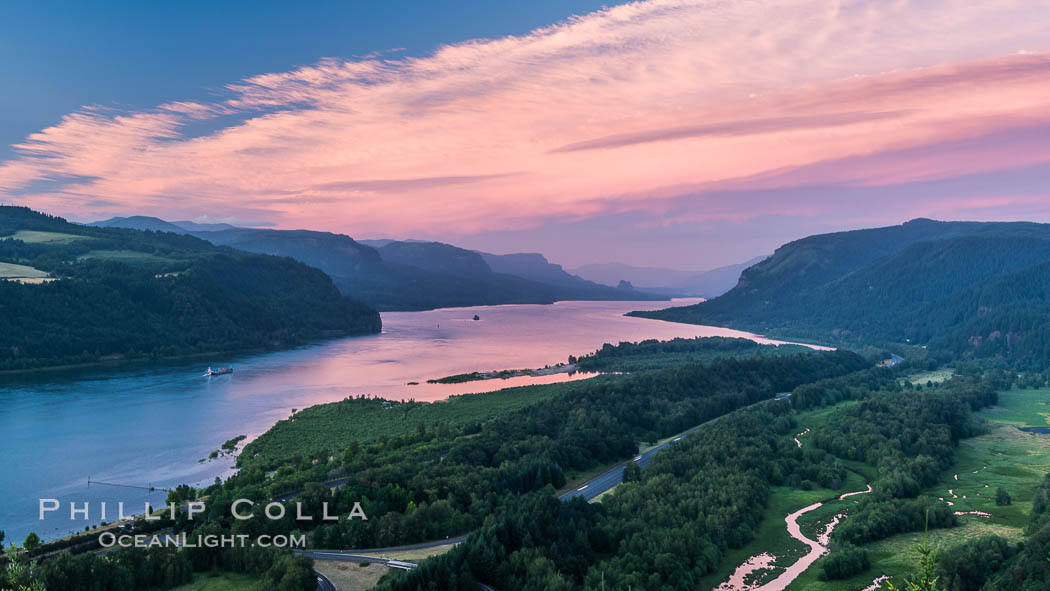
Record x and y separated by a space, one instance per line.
671 525
108 293
405 275
964 288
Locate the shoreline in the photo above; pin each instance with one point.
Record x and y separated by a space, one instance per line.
122 361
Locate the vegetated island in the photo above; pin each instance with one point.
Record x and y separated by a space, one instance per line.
503 374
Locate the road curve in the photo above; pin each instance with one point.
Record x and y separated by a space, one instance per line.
323 583
588 490
610 478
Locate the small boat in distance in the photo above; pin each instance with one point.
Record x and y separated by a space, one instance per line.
218 371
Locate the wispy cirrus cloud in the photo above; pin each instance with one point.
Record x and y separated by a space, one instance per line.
632 108
726 128
398 185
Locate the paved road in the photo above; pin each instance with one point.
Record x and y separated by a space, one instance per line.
323 584
610 478
607 480
419 546
342 556
588 490
334 483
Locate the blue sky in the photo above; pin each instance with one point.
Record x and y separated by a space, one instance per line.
59 56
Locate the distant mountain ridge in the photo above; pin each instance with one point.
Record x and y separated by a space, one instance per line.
140 222
203 227
143 222
974 288
613 273
407 274
676 282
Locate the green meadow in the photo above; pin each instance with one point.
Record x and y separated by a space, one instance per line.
1003 457
13 271
220 582
1024 408
36 237
936 376
126 256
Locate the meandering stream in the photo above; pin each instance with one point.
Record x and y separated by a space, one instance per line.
752 567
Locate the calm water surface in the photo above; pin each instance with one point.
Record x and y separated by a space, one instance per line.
150 425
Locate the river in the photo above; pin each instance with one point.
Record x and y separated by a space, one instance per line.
148 425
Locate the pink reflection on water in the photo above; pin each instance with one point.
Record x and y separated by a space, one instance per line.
738 581
800 435
817 548
877 583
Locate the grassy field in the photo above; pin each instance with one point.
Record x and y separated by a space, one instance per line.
13 271
414 555
936 376
126 256
333 426
1024 408
35 237
220 582
896 555
1007 458
1004 457
351 576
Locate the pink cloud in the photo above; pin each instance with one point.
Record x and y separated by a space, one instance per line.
627 108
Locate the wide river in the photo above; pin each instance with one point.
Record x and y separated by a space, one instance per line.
148 425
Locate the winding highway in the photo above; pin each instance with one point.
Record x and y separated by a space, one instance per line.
609 479
588 491
323 584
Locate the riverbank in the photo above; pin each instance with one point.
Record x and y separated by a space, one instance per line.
119 361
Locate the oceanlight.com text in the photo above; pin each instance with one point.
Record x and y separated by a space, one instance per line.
110 540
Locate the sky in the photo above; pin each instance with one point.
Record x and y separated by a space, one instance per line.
678 133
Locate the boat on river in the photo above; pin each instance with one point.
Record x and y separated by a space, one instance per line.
218 371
